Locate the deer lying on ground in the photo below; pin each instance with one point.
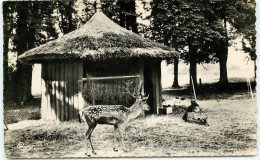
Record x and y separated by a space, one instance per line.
193 114
117 115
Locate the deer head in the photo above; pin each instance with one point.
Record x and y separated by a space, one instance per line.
144 104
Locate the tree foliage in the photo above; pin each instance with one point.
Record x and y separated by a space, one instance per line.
33 27
244 23
8 26
65 11
188 26
35 23
183 23
239 16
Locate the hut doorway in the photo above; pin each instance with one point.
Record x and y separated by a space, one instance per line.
152 84
148 87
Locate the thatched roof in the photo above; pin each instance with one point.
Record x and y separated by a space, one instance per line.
100 38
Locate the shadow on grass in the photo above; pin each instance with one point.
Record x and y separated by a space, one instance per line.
213 91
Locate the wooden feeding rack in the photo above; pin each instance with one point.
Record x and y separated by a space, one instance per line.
109 90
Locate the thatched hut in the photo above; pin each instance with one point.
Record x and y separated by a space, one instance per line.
100 52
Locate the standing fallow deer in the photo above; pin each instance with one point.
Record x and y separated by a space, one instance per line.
117 115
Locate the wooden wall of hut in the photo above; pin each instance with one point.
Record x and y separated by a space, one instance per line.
60 85
59 90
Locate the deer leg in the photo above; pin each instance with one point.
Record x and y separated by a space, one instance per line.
88 135
121 133
114 141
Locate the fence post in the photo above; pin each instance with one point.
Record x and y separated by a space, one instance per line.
194 92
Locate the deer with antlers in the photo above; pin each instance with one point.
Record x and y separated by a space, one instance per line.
117 115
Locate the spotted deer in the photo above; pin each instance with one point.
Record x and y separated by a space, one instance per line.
117 115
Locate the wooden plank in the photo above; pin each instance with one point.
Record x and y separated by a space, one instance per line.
66 88
62 92
57 90
53 94
157 85
70 90
112 77
75 91
141 79
48 93
44 104
160 83
80 84
154 86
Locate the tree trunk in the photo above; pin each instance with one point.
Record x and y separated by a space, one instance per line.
193 66
122 16
128 21
176 64
223 56
223 80
25 82
131 19
6 29
70 12
24 72
134 25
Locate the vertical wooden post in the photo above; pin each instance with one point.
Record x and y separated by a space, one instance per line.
80 84
48 91
57 89
71 93
44 99
53 92
75 90
194 92
154 80
62 92
250 89
156 84
159 85
141 73
66 90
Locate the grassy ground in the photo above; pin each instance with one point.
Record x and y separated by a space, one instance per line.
232 131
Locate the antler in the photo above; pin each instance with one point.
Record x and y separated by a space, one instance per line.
139 90
143 96
137 93
127 89
128 83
